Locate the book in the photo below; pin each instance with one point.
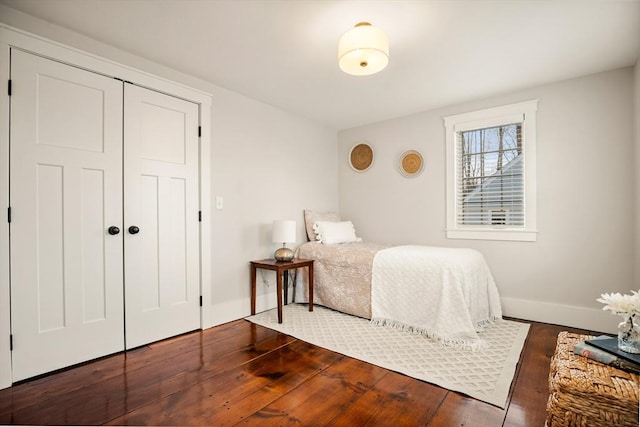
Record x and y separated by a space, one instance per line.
593 352
610 345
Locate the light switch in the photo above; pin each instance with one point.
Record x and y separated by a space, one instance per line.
219 202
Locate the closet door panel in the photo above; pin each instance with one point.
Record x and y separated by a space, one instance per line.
66 190
161 199
92 245
177 232
50 286
145 282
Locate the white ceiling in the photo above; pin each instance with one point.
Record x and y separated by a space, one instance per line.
284 52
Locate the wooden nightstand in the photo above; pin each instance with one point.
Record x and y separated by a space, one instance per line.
281 269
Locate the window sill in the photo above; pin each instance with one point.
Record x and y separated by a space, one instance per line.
496 234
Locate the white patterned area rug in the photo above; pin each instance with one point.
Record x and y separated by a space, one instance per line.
484 375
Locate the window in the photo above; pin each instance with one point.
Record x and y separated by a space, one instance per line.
491 173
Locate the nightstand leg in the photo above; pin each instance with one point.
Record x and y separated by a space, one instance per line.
286 287
310 271
295 279
253 289
279 291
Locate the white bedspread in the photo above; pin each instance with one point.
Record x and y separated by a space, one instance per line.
446 294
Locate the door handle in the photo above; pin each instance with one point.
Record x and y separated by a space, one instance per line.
113 230
134 230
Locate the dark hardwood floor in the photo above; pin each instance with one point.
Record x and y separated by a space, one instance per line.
243 374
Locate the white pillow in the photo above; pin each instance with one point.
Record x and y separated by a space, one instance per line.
330 233
310 218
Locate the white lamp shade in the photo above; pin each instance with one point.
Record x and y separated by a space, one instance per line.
284 231
363 50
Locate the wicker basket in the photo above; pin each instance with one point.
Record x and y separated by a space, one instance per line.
583 392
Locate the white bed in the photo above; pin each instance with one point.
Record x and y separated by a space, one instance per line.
447 294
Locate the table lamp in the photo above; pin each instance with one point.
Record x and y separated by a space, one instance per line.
284 231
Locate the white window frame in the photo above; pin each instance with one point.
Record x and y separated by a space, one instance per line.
523 112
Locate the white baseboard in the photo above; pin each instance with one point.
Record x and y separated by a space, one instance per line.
238 309
558 314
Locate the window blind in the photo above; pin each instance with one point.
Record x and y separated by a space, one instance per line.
490 176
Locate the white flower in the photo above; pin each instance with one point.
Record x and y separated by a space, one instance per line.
621 304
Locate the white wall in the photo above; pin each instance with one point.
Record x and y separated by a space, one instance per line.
586 197
266 163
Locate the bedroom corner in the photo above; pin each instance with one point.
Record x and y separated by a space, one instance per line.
583 245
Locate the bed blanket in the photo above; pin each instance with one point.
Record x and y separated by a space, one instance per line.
342 276
446 294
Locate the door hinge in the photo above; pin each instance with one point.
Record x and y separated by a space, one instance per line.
199 216
11 342
200 300
199 131
9 88
9 214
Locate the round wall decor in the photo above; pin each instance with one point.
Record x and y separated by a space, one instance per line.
361 157
411 163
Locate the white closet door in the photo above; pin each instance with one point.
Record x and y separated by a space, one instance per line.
66 191
161 199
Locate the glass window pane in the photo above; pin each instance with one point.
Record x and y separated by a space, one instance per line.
490 164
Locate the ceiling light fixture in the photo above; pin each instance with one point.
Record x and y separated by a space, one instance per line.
363 50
